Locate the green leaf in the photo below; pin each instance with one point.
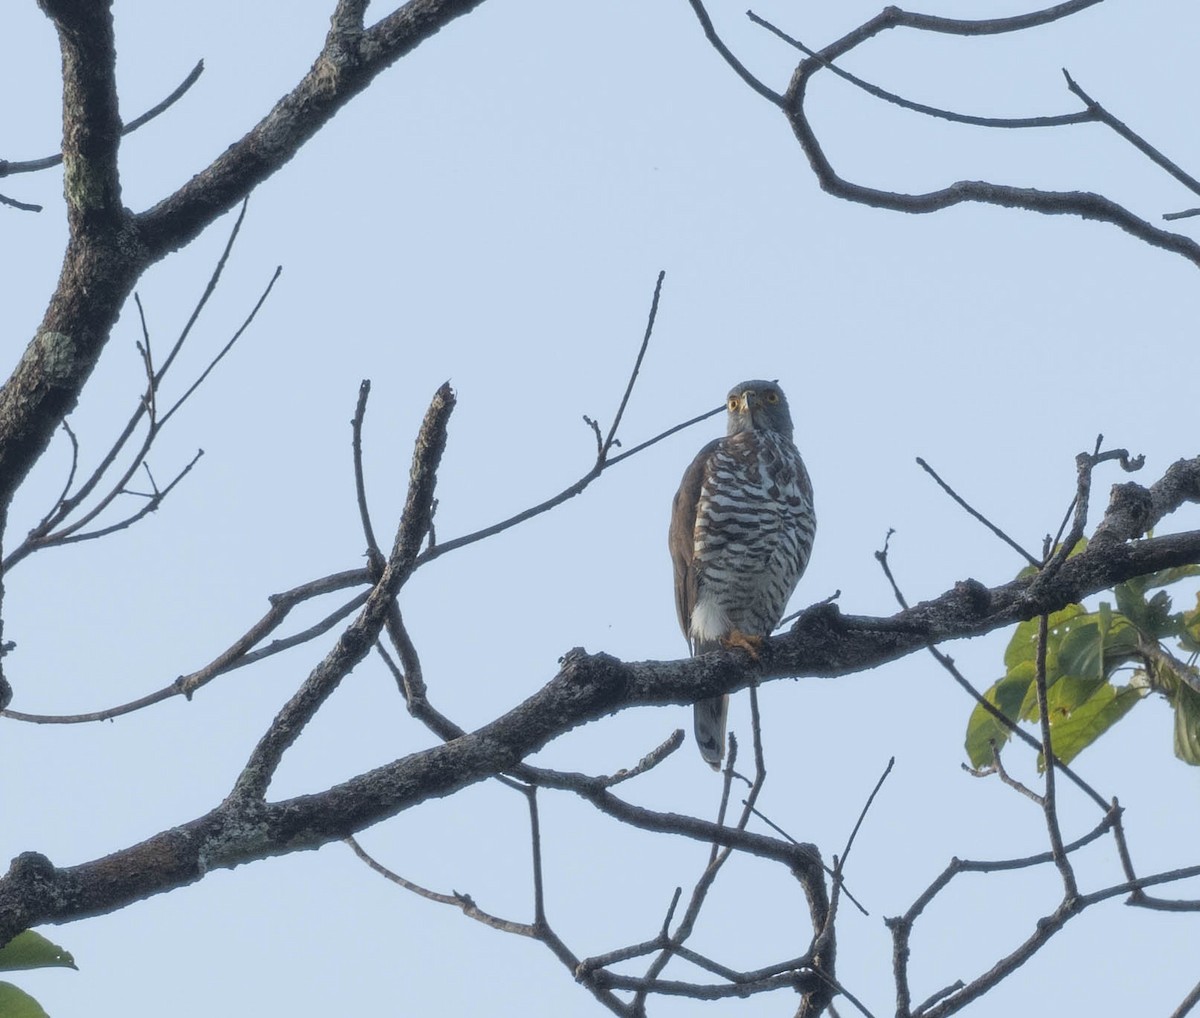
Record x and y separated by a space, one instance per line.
1070 693
1081 651
1131 603
1189 629
1094 645
1152 616
31 950
1023 644
1073 732
1165 577
1187 724
16 1003
983 729
1159 619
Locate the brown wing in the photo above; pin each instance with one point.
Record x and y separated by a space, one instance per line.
681 538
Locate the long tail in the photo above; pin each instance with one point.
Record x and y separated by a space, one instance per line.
709 723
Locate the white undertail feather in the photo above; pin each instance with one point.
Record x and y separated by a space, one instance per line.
708 723
710 622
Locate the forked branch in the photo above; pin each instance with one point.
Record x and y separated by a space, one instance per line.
793 102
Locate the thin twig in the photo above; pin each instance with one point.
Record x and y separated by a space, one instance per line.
535 836
34 165
262 299
829 870
648 762
357 639
209 288
153 501
997 768
739 68
1098 112
71 437
1010 725
644 985
24 206
45 534
464 902
536 931
1188 1002
239 655
1049 803
374 555
1059 120
614 460
1082 203
1085 464
146 350
934 997
954 999
603 461
863 814
637 366
978 515
840 989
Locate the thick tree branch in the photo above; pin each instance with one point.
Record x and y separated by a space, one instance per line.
349 61
357 639
91 121
822 642
97 273
109 249
1080 203
10 167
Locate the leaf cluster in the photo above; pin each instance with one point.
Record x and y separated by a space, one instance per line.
28 950
1099 665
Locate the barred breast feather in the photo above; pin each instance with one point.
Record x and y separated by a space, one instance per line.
742 527
752 536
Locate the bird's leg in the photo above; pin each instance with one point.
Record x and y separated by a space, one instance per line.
735 639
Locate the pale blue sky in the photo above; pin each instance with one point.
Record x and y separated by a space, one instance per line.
494 211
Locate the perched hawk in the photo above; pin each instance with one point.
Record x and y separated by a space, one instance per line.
742 527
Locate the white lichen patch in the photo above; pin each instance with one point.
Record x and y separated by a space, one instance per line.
238 841
54 353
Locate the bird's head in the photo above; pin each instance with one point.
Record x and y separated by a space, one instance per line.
758 405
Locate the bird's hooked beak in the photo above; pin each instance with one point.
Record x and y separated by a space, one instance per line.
744 405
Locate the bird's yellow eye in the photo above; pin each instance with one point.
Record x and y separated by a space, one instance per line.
733 403
772 396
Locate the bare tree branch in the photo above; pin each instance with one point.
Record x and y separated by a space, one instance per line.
347 64
53 529
1098 112
1062 120
1049 804
1188 1002
10 167
240 654
978 515
603 459
109 249
1080 203
356 641
822 642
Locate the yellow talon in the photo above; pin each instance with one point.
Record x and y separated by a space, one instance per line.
737 640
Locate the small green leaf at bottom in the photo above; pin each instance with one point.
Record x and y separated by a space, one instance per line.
1187 724
985 732
16 1003
30 950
